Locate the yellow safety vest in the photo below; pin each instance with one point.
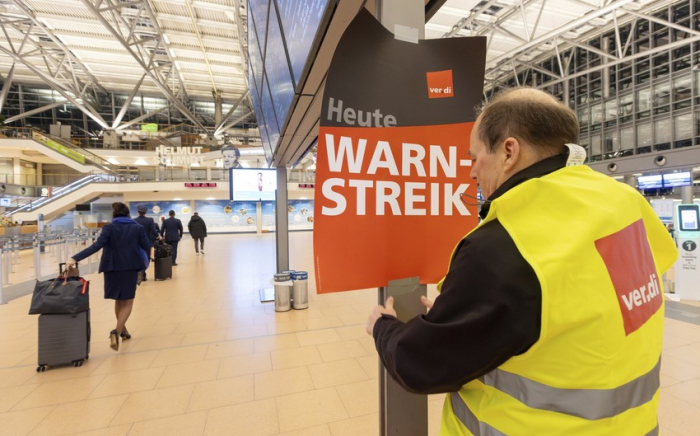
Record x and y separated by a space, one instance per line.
598 250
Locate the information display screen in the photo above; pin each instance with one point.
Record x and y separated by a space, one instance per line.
252 184
673 180
268 111
279 44
277 70
689 217
650 182
300 21
5 202
255 57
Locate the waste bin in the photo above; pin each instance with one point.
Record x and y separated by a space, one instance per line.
282 292
300 289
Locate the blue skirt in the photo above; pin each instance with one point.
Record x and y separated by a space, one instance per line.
121 285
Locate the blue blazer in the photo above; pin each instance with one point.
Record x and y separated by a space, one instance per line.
171 229
124 246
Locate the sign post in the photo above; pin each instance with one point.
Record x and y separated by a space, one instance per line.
392 165
688 263
400 412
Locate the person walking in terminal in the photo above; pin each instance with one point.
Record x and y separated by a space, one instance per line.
550 318
150 227
171 230
198 231
124 247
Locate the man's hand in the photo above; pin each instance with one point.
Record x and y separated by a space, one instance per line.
377 313
427 303
70 262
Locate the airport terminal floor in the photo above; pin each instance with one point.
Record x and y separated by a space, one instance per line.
207 358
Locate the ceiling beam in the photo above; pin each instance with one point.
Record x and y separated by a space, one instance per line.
147 66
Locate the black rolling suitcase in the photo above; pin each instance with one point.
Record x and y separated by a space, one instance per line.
63 339
163 268
64 320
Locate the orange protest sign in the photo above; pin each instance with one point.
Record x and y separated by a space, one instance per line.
392 159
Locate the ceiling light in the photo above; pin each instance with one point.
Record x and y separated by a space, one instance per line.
598 21
194 164
211 198
526 58
177 199
571 34
113 161
546 46
140 162
312 167
486 18
632 6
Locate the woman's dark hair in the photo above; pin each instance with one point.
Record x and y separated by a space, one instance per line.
119 210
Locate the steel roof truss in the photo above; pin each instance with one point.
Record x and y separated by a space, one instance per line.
46 32
150 67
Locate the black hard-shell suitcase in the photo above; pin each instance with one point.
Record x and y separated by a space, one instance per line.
163 268
63 339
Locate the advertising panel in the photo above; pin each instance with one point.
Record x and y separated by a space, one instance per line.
393 160
301 214
67 152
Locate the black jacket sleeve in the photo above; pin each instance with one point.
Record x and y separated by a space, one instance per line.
488 311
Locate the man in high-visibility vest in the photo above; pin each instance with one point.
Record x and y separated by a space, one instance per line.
550 317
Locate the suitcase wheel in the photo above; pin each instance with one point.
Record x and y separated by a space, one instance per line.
41 368
78 363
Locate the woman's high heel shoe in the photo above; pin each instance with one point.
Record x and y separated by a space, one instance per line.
125 334
114 340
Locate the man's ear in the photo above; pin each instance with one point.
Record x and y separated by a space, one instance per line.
511 153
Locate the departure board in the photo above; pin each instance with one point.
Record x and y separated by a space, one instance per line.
277 70
279 43
254 54
300 21
268 111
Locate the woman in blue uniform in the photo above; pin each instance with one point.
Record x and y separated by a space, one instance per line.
124 245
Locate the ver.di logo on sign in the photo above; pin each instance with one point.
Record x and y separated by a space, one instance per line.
440 84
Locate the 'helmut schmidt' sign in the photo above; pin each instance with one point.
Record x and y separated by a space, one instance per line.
178 155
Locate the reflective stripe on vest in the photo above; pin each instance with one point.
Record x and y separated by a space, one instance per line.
585 403
477 428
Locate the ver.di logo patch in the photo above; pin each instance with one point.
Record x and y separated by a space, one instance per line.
631 267
440 84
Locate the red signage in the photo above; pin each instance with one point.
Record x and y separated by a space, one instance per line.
200 185
440 84
306 185
630 264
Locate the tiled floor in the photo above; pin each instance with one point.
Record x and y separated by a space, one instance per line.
207 358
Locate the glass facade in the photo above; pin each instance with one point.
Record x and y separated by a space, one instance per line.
646 104
24 97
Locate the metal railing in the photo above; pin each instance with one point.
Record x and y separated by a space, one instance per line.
64 190
89 158
47 247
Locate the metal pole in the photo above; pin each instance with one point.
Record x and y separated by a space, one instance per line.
37 257
281 220
2 279
400 411
6 267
